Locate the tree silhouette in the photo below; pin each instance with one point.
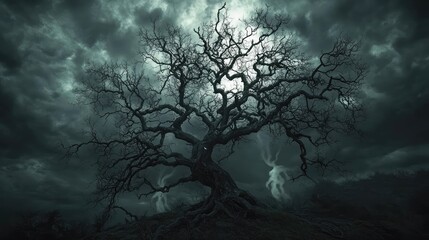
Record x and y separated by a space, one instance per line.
209 89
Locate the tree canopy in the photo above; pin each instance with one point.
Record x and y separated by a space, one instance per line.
212 87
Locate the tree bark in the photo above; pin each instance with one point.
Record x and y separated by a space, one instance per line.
225 195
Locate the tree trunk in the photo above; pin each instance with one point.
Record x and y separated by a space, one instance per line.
210 174
225 194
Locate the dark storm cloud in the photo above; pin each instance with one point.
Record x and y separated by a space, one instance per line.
27 11
87 21
394 46
45 45
21 128
9 54
144 16
36 112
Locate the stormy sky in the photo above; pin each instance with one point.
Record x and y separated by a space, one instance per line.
45 46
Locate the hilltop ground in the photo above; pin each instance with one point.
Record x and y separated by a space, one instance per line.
384 206
267 224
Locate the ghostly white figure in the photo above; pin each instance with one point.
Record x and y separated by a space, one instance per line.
278 174
161 202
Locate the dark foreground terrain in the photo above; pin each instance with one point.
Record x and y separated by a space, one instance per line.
269 225
383 206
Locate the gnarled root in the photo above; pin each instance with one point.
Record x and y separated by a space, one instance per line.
236 205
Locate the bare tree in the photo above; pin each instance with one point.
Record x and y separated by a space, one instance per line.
209 89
